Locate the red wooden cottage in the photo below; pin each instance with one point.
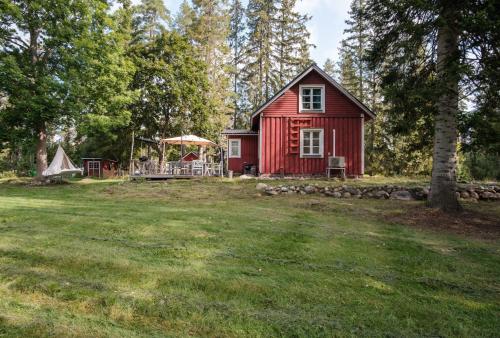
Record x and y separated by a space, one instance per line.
299 128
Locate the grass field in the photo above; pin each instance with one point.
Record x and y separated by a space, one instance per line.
210 258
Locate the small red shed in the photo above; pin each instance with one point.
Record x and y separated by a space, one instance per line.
191 156
310 119
99 167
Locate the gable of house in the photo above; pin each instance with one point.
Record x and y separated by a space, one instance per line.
336 104
338 101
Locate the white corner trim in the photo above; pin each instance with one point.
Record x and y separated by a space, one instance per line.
321 143
362 144
237 140
260 144
312 86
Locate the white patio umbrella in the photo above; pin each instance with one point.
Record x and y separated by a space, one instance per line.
188 139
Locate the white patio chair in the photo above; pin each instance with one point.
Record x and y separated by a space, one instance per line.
216 169
197 166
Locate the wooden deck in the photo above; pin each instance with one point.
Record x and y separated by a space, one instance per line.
162 177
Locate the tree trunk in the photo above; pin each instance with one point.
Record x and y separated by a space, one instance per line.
41 151
443 182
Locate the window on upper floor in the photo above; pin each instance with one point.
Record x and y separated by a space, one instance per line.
234 148
312 98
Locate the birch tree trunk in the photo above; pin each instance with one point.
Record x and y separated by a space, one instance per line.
443 182
41 142
41 151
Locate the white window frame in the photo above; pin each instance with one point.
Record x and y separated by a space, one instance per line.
94 167
321 143
312 86
230 148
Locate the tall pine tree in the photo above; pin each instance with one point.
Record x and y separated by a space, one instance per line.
209 34
237 44
150 20
291 52
427 50
260 44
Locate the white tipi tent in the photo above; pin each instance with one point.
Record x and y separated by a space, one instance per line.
61 165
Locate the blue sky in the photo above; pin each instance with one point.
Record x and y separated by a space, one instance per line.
326 26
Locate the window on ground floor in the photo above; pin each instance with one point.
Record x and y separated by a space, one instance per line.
311 142
234 148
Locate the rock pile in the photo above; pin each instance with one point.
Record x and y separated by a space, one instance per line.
469 192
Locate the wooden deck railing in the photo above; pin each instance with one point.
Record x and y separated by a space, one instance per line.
176 168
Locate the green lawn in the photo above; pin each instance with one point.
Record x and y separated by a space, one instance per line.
212 258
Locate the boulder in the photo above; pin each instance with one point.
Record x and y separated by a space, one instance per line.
382 194
309 189
346 195
487 195
353 191
464 195
271 192
474 195
284 189
402 195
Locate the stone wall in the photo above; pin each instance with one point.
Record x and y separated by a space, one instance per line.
468 192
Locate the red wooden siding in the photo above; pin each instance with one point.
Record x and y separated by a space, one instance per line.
249 153
278 154
280 132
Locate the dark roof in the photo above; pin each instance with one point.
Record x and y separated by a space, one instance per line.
239 132
191 152
328 78
98 158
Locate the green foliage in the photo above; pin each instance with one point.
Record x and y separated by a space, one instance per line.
209 33
61 65
479 166
237 39
402 50
330 68
173 89
103 83
277 47
150 20
291 54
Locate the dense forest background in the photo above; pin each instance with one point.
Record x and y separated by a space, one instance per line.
86 73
